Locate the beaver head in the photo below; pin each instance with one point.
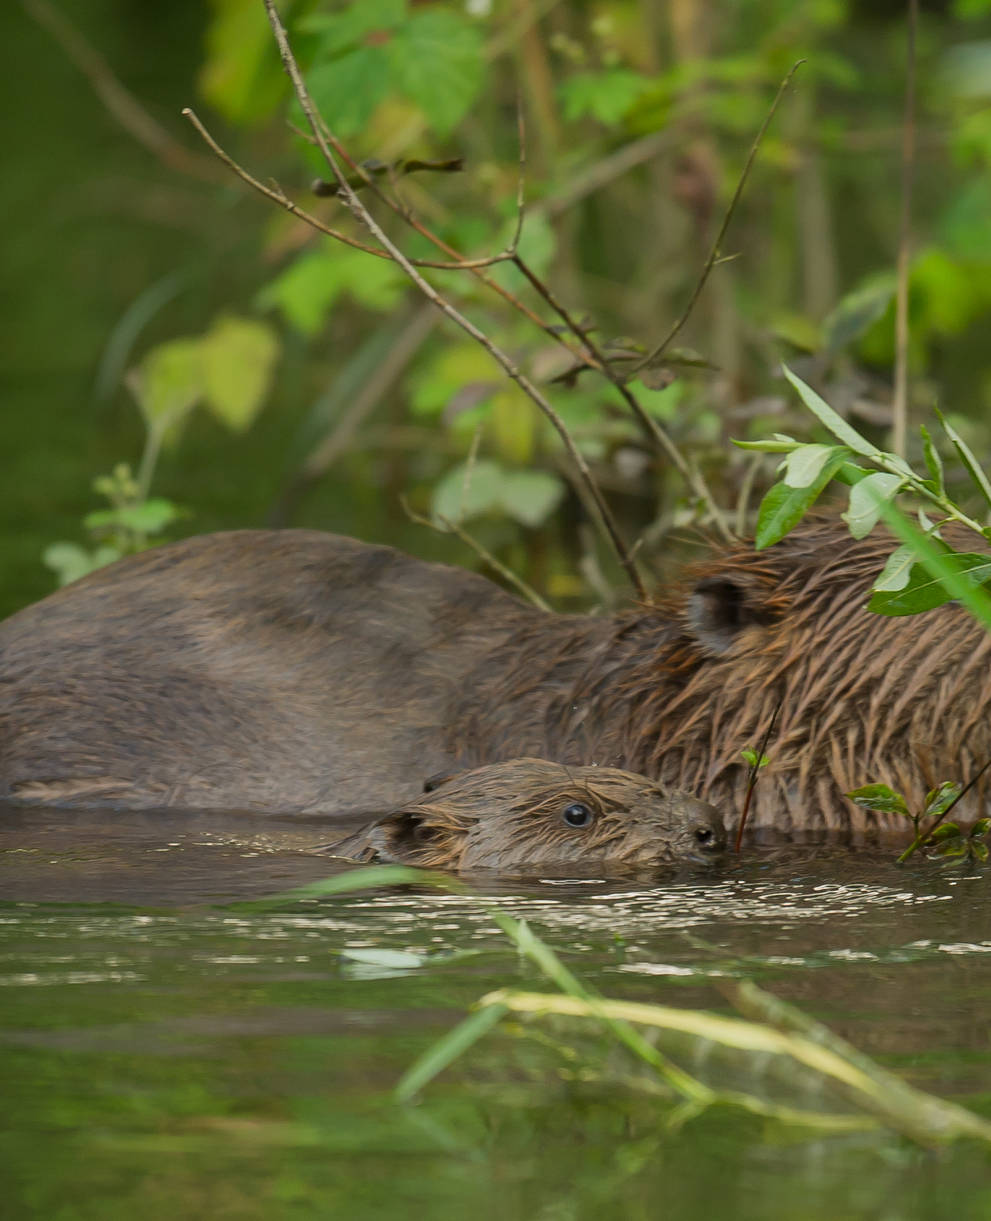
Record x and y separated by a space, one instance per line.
530 814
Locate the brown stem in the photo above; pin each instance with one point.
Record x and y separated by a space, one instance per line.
355 205
654 356
899 406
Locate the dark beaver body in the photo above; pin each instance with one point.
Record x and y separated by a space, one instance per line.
298 670
529 814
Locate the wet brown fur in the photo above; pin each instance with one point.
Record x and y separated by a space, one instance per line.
509 817
295 670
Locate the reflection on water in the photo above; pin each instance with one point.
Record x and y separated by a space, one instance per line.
164 1055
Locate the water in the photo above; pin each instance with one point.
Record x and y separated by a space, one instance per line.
164 1053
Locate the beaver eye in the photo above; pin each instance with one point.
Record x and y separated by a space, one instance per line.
577 815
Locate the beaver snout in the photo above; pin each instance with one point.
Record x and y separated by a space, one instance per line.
708 829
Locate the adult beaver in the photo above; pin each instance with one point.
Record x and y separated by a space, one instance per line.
530 814
281 670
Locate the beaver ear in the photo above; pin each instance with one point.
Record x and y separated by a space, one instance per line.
718 610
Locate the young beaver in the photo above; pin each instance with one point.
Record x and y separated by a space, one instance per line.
529 814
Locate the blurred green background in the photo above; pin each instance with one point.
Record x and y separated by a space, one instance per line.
639 118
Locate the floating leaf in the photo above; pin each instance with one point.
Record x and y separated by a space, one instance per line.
392 959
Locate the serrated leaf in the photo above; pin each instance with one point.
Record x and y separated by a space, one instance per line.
530 497
897 570
437 61
924 592
881 798
867 498
783 507
974 468
238 358
804 464
830 419
934 463
347 89
941 798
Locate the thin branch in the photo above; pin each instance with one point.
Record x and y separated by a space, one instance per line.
118 100
451 527
278 196
899 406
355 205
662 347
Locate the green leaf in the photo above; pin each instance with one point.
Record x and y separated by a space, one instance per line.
69 561
309 287
952 849
466 492
146 517
804 464
830 420
783 507
897 571
238 358
347 90
353 24
939 800
242 77
979 850
750 756
606 96
858 311
934 463
946 830
866 500
981 827
437 61
974 468
922 591
530 497
779 444
881 798
169 381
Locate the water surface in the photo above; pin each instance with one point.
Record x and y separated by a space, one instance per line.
166 1053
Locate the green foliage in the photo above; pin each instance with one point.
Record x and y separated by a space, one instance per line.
476 489
946 839
606 96
312 284
431 57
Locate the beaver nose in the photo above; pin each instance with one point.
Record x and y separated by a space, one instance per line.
709 832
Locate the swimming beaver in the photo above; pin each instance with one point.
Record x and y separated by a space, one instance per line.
529 814
295 670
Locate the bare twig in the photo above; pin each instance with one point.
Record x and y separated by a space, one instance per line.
654 356
899 405
357 208
118 100
451 527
